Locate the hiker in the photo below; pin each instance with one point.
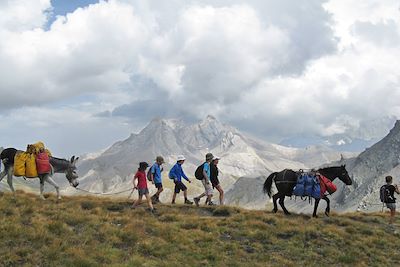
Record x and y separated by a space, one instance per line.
208 191
176 173
389 198
214 178
155 173
141 186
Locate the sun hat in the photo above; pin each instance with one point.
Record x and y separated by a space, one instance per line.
181 157
209 156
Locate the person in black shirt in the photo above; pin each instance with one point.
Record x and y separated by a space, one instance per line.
391 200
214 179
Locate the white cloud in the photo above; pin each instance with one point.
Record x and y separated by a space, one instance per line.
318 67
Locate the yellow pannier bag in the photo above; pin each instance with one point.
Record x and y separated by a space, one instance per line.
30 166
19 163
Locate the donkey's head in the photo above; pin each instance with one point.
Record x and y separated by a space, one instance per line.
70 172
344 175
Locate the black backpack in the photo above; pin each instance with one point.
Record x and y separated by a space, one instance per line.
199 172
384 194
150 174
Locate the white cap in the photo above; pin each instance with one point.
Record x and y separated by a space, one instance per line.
216 157
181 157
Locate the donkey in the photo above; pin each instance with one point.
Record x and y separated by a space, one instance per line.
286 180
57 166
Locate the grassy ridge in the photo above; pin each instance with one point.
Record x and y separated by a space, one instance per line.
85 231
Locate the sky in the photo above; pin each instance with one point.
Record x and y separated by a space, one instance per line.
81 75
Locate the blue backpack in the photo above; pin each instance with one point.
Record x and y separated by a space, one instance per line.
316 193
307 185
299 189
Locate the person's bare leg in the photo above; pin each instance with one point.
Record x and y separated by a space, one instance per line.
138 201
221 194
149 201
173 198
392 216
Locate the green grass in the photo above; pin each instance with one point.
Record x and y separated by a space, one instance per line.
87 231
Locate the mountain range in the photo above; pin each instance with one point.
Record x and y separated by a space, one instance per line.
241 155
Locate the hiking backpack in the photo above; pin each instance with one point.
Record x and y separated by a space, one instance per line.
199 172
150 174
384 194
299 188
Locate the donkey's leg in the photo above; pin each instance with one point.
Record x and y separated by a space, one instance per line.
315 208
3 174
282 203
274 199
10 181
328 206
42 178
50 180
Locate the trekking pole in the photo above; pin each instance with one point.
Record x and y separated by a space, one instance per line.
133 189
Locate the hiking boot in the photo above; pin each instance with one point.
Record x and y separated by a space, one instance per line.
151 210
196 201
154 199
187 201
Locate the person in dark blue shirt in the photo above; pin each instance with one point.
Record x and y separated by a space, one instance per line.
176 173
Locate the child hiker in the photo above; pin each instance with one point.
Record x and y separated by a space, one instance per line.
156 177
389 198
176 173
141 186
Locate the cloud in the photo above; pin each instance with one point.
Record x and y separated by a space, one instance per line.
273 68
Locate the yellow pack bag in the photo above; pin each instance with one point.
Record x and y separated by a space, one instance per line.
19 163
35 148
30 166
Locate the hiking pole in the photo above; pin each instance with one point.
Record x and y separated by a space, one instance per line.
133 189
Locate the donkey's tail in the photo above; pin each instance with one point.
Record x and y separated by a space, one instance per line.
268 184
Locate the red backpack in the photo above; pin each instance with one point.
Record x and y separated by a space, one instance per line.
43 163
327 185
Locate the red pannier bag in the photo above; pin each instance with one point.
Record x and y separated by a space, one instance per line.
43 163
327 185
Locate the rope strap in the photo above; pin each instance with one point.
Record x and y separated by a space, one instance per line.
104 194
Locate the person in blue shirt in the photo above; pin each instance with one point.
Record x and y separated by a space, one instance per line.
208 191
156 177
176 173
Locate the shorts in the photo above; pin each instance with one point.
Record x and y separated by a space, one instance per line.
391 206
207 187
215 182
158 185
179 186
143 191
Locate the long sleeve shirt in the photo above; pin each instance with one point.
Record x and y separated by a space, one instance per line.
177 173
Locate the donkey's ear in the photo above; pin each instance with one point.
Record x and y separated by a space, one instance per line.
72 159
76 160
